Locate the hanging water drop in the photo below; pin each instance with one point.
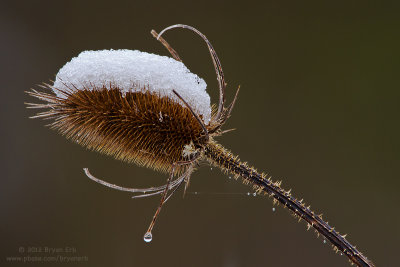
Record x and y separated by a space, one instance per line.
273 209
248 193
230 177
324 241
148 237
254 194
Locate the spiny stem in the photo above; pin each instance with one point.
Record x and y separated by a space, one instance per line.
220 157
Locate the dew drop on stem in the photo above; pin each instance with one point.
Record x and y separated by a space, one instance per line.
148 237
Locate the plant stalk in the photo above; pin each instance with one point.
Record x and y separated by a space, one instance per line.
222 158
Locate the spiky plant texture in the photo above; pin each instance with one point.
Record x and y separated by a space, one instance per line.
157 132
152 131
137 127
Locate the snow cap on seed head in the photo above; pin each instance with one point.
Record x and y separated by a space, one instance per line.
133 70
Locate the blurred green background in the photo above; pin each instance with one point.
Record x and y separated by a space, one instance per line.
318 108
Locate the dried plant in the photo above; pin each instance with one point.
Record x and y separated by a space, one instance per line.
156 131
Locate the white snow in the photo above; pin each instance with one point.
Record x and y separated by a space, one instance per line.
131 71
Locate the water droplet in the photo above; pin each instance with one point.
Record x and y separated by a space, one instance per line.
341 254
230 177
211 168
248 193
254 194
148 237
273 209
324 241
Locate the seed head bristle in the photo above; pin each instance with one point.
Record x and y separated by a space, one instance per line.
139 127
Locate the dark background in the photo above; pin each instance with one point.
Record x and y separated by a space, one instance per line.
319 109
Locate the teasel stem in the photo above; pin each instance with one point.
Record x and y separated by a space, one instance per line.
222 158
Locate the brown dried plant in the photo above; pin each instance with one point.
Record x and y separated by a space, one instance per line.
159 133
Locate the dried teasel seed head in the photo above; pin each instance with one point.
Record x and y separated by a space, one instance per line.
152 111
121 103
